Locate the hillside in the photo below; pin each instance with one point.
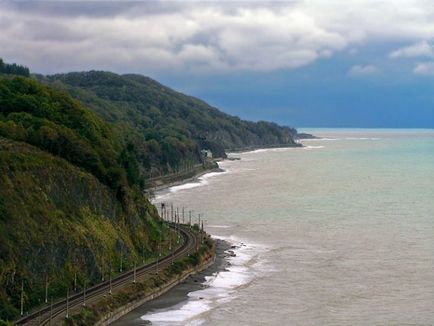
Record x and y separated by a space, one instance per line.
75 153
70 202
169 128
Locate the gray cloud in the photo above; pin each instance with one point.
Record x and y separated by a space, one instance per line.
200 37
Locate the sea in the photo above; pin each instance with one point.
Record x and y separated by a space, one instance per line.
338 232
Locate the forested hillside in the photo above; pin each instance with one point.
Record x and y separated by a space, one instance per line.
13 69
169 128
70 198
76 151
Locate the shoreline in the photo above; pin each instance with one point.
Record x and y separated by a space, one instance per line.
179 293
178 180
164 186
254 148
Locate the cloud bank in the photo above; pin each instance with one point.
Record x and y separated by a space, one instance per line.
206 37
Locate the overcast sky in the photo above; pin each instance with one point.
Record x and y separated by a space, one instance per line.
317 63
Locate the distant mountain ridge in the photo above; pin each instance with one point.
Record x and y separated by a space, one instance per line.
170 128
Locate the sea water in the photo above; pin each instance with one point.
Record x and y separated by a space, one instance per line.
340 232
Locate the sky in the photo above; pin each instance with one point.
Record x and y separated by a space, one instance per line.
302 63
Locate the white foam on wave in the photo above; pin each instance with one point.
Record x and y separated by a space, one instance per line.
336 139
312 147
276 149
362 138
319 139
219 288
200 182
219 226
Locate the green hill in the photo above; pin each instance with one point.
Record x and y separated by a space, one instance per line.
69 198
169 128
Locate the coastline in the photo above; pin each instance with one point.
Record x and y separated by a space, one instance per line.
253 148
179 293
163 186
179 296
180 181
165 182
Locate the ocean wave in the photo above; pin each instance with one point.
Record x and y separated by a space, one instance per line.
219 288
276 149
337 139
319 139
219 226
312 147
201 181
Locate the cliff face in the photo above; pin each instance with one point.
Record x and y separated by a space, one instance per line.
56 221
70 202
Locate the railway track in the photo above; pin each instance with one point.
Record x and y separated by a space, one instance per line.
52 314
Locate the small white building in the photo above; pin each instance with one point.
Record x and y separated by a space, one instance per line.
206 154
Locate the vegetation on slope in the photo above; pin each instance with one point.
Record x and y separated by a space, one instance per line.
69 197
13 69
72 172
52 121
169 128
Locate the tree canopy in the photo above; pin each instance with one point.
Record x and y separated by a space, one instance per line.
13 69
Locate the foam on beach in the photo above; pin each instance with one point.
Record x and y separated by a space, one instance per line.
200 182
219 288
312 147
275 149
337 139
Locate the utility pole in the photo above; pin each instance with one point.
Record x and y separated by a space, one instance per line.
102 270
171 212
67 303
46 289
39 313
110 282
22 297
134 279
159 251
172 251
120 269
143 252
75 282
157 266
51 311
183 214
189 218
84 294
